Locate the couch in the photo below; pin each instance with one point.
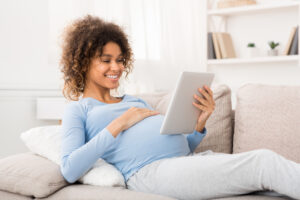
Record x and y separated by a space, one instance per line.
263 113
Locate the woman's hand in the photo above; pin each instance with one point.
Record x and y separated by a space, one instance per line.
206 105
128 119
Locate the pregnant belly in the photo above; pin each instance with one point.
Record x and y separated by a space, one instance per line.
145 138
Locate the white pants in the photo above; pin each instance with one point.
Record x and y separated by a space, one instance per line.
213 175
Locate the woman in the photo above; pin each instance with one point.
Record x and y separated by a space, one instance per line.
124 131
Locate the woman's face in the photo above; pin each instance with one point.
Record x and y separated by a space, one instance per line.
106 70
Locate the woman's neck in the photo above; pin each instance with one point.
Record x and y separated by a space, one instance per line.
103 96
100 94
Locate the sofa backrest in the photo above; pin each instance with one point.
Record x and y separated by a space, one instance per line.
267 116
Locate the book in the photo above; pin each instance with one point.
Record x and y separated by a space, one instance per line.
226 45
290 40
234 3
294 46
210 47
216 46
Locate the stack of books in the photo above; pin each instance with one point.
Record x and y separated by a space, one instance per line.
292 44
220 45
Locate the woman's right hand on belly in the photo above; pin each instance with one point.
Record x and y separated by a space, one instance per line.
128 119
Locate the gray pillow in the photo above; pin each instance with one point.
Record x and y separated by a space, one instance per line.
31 175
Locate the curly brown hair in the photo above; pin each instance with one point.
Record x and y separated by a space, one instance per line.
82 40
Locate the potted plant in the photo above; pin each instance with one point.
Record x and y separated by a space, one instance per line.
251 49
273 51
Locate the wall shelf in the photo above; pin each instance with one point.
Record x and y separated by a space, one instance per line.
294 58
251 9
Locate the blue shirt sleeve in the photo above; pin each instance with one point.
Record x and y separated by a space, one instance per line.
77 156
195 138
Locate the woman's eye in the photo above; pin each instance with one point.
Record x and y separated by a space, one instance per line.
120 61
106 61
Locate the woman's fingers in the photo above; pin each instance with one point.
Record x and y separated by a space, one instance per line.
207 93
211 94
203 108
209 90
152 112
147 112
201 100
207 104
204 93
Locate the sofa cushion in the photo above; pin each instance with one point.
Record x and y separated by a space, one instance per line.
219 125
268 117
31 175
11 196
79 192
252 197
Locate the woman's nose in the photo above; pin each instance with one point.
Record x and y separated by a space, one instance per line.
116 66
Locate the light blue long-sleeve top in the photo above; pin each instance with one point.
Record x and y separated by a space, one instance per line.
85 138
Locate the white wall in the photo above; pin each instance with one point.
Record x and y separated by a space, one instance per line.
24 41
18 114
24 70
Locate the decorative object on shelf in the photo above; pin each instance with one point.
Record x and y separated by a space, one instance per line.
251 50
234 3
252 45
273 51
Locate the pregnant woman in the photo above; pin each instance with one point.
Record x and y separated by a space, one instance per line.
124 131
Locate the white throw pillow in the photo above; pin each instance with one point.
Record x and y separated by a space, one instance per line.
46 141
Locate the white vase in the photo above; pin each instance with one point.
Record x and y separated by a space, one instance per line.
273 52
251 52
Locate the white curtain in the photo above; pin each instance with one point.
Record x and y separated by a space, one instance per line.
164 34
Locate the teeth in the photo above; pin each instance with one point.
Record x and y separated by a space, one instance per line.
111 76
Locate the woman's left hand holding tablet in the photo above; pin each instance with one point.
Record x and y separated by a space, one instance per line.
206 105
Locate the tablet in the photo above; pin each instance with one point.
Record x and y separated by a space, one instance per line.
181 116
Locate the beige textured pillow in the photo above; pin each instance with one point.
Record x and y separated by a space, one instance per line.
268 117
155 100
219 125
31 175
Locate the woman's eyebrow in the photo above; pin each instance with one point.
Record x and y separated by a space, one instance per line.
108 55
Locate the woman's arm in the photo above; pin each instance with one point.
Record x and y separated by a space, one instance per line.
195 138
207 106
77 156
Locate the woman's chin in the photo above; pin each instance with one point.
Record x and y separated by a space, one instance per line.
113 87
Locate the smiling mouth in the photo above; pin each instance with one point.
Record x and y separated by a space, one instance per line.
112 76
